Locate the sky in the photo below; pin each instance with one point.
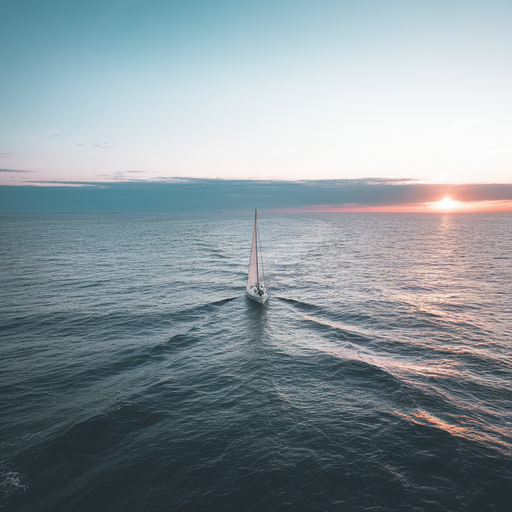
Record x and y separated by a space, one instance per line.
138 91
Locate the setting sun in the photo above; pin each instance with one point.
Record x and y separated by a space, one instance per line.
448 204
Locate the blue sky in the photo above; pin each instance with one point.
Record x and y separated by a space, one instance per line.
111 91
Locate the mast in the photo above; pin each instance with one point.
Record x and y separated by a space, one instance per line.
256 246
253 262
261 259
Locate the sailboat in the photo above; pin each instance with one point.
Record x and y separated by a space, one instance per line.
255 287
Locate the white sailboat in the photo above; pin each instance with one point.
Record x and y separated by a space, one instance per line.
255 287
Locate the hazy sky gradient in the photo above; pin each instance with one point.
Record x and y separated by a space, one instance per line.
92 91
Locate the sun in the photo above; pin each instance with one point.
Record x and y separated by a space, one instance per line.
447 203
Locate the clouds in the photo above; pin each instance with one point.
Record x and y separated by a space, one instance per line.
102 145
105 145
77 141
203 195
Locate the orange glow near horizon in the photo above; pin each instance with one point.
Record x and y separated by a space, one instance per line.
445 205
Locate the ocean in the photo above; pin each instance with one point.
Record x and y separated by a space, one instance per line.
136 375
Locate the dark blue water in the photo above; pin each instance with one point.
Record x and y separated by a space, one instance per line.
135 374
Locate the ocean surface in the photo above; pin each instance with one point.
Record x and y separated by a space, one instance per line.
136 375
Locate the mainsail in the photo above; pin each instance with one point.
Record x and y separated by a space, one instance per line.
253 262
255 288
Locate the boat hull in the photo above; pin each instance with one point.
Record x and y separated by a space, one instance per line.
256 298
